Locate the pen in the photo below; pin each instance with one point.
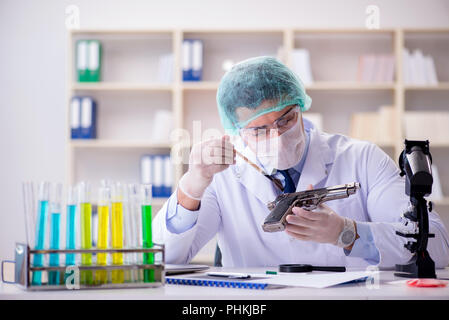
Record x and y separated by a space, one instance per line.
229 275
276 181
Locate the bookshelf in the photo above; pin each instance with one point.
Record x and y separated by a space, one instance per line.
117 86
119 144
130 92
432 98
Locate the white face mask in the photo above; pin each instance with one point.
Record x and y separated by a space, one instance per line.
284 151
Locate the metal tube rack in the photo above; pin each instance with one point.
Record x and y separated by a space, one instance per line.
23 268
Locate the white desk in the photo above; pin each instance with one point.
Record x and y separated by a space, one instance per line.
358 291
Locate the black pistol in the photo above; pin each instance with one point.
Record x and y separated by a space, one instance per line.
282 206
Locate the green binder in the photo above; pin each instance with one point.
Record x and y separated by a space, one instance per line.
88 60
94 61
81 60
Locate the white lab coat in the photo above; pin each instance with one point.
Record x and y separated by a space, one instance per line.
234 206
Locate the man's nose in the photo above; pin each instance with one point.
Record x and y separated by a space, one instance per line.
274 133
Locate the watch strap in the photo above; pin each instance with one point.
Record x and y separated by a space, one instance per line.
348 227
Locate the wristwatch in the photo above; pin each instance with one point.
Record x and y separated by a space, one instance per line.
347 235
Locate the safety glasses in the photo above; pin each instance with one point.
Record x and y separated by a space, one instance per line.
280 125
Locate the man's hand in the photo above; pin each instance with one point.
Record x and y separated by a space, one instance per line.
206 159
321 225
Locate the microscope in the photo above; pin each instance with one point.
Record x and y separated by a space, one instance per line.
415 163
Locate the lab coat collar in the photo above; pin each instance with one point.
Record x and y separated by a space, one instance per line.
250 178
318 157
314 170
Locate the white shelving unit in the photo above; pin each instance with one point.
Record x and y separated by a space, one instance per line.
129 92
432 98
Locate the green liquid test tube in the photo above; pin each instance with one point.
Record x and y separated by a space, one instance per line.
41 229
148 258
86 230
118 275
101 276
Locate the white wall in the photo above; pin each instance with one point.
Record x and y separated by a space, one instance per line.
33 68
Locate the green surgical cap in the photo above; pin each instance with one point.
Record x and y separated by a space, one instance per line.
255 81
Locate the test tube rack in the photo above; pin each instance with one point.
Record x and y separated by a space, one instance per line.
23 268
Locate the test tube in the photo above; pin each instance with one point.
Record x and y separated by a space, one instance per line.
148 258
101 276
117 230
132 230
41 228
55 218
70 235
128 274
84 198
29 201
70 241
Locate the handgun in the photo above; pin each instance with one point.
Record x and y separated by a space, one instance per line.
282 206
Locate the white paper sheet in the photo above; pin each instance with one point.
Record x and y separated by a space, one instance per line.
314 279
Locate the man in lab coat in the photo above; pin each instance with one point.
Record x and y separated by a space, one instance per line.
260 102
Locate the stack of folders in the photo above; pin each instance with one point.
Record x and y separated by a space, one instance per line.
83 112
427 125
165 68
376 68
419 69
88 60
157 170
437 189
192 60
301 65
378 127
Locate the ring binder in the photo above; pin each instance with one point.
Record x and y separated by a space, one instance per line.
216 283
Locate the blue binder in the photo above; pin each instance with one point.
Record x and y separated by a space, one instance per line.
192 60
158 176
197 60
88 118
75 118
168 176
186 60
156 169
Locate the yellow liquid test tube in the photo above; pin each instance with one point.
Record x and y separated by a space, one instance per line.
118 275
86 230
101 276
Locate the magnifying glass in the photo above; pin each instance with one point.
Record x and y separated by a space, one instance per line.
308 268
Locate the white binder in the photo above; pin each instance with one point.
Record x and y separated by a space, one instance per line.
88 118
168 176
197 60
75 117
146 169
158 176
186 60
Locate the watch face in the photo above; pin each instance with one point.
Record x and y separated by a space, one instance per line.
347 237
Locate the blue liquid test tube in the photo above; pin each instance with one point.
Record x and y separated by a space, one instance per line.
70 241
41 228
55 207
